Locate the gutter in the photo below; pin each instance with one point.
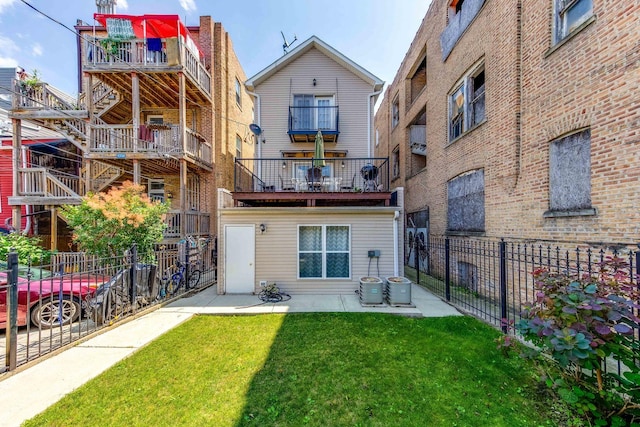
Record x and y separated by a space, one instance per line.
258 112
369 108
396 215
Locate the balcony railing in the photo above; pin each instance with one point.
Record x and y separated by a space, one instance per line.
297 175
305 122
135 53
166 141
196 223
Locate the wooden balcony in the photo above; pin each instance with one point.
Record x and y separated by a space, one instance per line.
118 144
158 68
41 186
196 223
304 182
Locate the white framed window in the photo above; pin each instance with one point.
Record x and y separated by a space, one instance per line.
467 102
312 112
324 113
569 15
324 251
156 190
395 159
238 93
238 147
155 119
395 112
300 170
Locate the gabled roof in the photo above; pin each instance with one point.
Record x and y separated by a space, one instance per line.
314 42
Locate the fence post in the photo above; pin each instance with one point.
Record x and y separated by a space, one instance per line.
417 257
187 269
134 276
11 351
503 284
447 270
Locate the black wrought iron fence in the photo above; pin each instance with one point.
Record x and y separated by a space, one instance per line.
492 279
46 306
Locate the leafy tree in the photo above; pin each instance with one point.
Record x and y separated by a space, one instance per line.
107 224
28 248
583 323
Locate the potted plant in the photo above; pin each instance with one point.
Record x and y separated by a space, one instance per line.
370 290
398 290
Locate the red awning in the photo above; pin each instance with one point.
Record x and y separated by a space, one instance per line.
157 26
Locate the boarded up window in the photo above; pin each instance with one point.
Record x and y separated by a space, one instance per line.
465 195
570 172
468 276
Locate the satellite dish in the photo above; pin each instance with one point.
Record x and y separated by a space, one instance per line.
255 129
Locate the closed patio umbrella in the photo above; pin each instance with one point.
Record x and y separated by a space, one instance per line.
318 154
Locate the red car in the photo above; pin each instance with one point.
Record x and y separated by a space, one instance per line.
49 302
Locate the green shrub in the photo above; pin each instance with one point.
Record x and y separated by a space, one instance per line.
28 249
107 224
583 323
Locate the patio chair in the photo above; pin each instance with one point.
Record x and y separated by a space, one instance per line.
314 178
288 187
347 187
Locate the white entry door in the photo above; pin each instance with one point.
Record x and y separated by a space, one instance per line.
239 263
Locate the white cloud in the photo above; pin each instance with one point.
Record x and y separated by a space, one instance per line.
121 5
9 49
188 5
4 4
36 49
8 62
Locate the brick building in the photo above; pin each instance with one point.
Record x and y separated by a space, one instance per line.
518 119
161 104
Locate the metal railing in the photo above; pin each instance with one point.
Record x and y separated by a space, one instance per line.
314 119
492 279
52 305
333 175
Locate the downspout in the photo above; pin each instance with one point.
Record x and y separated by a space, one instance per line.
369 108
259 152
396 215
27 226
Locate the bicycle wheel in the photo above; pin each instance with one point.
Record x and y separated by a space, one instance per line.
194 279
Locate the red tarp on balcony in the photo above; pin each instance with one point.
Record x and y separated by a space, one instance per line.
153 26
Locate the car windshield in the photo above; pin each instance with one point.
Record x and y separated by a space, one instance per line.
29 272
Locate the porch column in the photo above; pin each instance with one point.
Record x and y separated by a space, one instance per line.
135 108
182 102
54 228
16 211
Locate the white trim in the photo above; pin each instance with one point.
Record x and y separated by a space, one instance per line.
329 51
323 228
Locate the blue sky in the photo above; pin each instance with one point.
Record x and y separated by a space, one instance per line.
373 33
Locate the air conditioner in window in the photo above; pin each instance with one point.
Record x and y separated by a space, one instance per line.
419 148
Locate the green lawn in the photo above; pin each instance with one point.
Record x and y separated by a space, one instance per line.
343 369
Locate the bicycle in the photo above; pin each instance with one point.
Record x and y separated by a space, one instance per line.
173 279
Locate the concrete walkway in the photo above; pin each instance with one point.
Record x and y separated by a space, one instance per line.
27 393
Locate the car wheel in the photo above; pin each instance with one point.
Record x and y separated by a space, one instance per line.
46 314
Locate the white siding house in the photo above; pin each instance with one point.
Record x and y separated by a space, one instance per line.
283 224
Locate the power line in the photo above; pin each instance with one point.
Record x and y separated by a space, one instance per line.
133 68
